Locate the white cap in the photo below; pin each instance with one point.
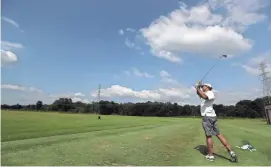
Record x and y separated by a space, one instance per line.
209 85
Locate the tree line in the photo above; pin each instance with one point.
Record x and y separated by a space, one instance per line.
244 108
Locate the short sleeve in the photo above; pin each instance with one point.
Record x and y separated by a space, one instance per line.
210 95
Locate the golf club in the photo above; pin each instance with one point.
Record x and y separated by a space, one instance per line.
223 56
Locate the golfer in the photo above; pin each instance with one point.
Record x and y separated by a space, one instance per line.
209 121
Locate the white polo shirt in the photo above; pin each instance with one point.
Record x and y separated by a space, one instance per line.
206 106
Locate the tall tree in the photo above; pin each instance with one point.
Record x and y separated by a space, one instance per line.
39 105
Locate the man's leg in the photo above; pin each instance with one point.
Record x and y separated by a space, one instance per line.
224 142
206 124
210 145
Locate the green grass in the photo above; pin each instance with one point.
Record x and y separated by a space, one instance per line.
32 138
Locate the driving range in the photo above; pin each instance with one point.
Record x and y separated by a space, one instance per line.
38 138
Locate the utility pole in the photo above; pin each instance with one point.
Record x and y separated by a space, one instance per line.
99 98
266 90
265 83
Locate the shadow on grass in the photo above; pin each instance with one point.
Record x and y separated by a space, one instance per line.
203 150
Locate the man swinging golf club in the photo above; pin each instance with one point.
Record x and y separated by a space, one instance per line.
209 121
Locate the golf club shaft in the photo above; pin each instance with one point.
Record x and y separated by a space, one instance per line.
212 68
208 71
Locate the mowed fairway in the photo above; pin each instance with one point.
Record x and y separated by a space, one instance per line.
32 138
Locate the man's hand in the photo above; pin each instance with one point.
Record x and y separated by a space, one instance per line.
200 92
198 84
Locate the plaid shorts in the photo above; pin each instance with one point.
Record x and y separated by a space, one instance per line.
210 126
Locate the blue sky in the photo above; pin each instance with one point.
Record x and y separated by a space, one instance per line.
137 50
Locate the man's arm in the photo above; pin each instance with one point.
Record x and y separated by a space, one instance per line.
201 93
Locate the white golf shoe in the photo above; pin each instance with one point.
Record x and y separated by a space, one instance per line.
233 157
210 157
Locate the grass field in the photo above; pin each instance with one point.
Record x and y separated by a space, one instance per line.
32 138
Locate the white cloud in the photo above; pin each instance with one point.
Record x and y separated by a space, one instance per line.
243 13
78 99
8 57
253 65
121 32
79 94
120 91
164 73
169 56
260 58
62 95
127 73
167 78
12 22
136 72
12 94
131 45
200 30
130 30
161 94
74 96
26 97
231 97
10 45
33 89
170 81
20 88
180 94
251 70
12 87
